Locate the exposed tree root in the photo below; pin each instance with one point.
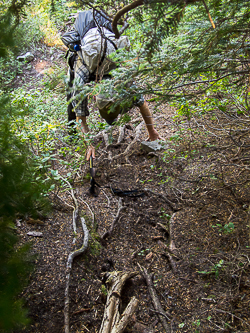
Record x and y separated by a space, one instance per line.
112 321
171 248
106 140
65 203
157 305
121 133
71 257
120 208
139 327
91 212
172 263
76 208
136 138
170 203
171 244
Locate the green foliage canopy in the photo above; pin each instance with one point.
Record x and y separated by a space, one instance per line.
175 51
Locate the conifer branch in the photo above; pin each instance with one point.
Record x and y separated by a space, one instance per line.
208 13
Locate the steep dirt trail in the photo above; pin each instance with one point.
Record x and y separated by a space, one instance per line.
216 300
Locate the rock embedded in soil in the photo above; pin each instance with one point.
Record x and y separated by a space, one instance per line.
26 57
35 233
153 146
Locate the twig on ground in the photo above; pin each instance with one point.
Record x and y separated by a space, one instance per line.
232 315
71 257
65 203
81 311
173 254
120 208
154 297
106 197
160 313
163 227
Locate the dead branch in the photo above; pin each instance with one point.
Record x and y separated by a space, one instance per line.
155 300
208 13
112 321
160 313
71 257
106 197
81 311
173 254
171 246
110 231
232 315
121 12
139 327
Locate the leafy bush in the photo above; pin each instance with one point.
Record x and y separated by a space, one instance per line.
15 266
22 189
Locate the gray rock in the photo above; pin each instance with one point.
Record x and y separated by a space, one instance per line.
35 233
153 146
26 57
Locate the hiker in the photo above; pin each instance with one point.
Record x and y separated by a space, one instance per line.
88 25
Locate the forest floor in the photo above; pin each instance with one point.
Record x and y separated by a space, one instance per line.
200 203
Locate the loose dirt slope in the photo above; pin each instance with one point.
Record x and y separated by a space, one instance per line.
202 279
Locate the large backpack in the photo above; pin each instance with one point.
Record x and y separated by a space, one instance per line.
96 46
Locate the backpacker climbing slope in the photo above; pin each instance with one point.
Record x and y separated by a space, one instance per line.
92 34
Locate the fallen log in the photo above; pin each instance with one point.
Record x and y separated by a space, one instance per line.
113 321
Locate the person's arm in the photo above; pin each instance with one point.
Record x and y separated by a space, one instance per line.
85 129
148 118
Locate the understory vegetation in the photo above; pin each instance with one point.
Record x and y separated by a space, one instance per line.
190 59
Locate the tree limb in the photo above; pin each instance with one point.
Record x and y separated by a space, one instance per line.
208 13
123 11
